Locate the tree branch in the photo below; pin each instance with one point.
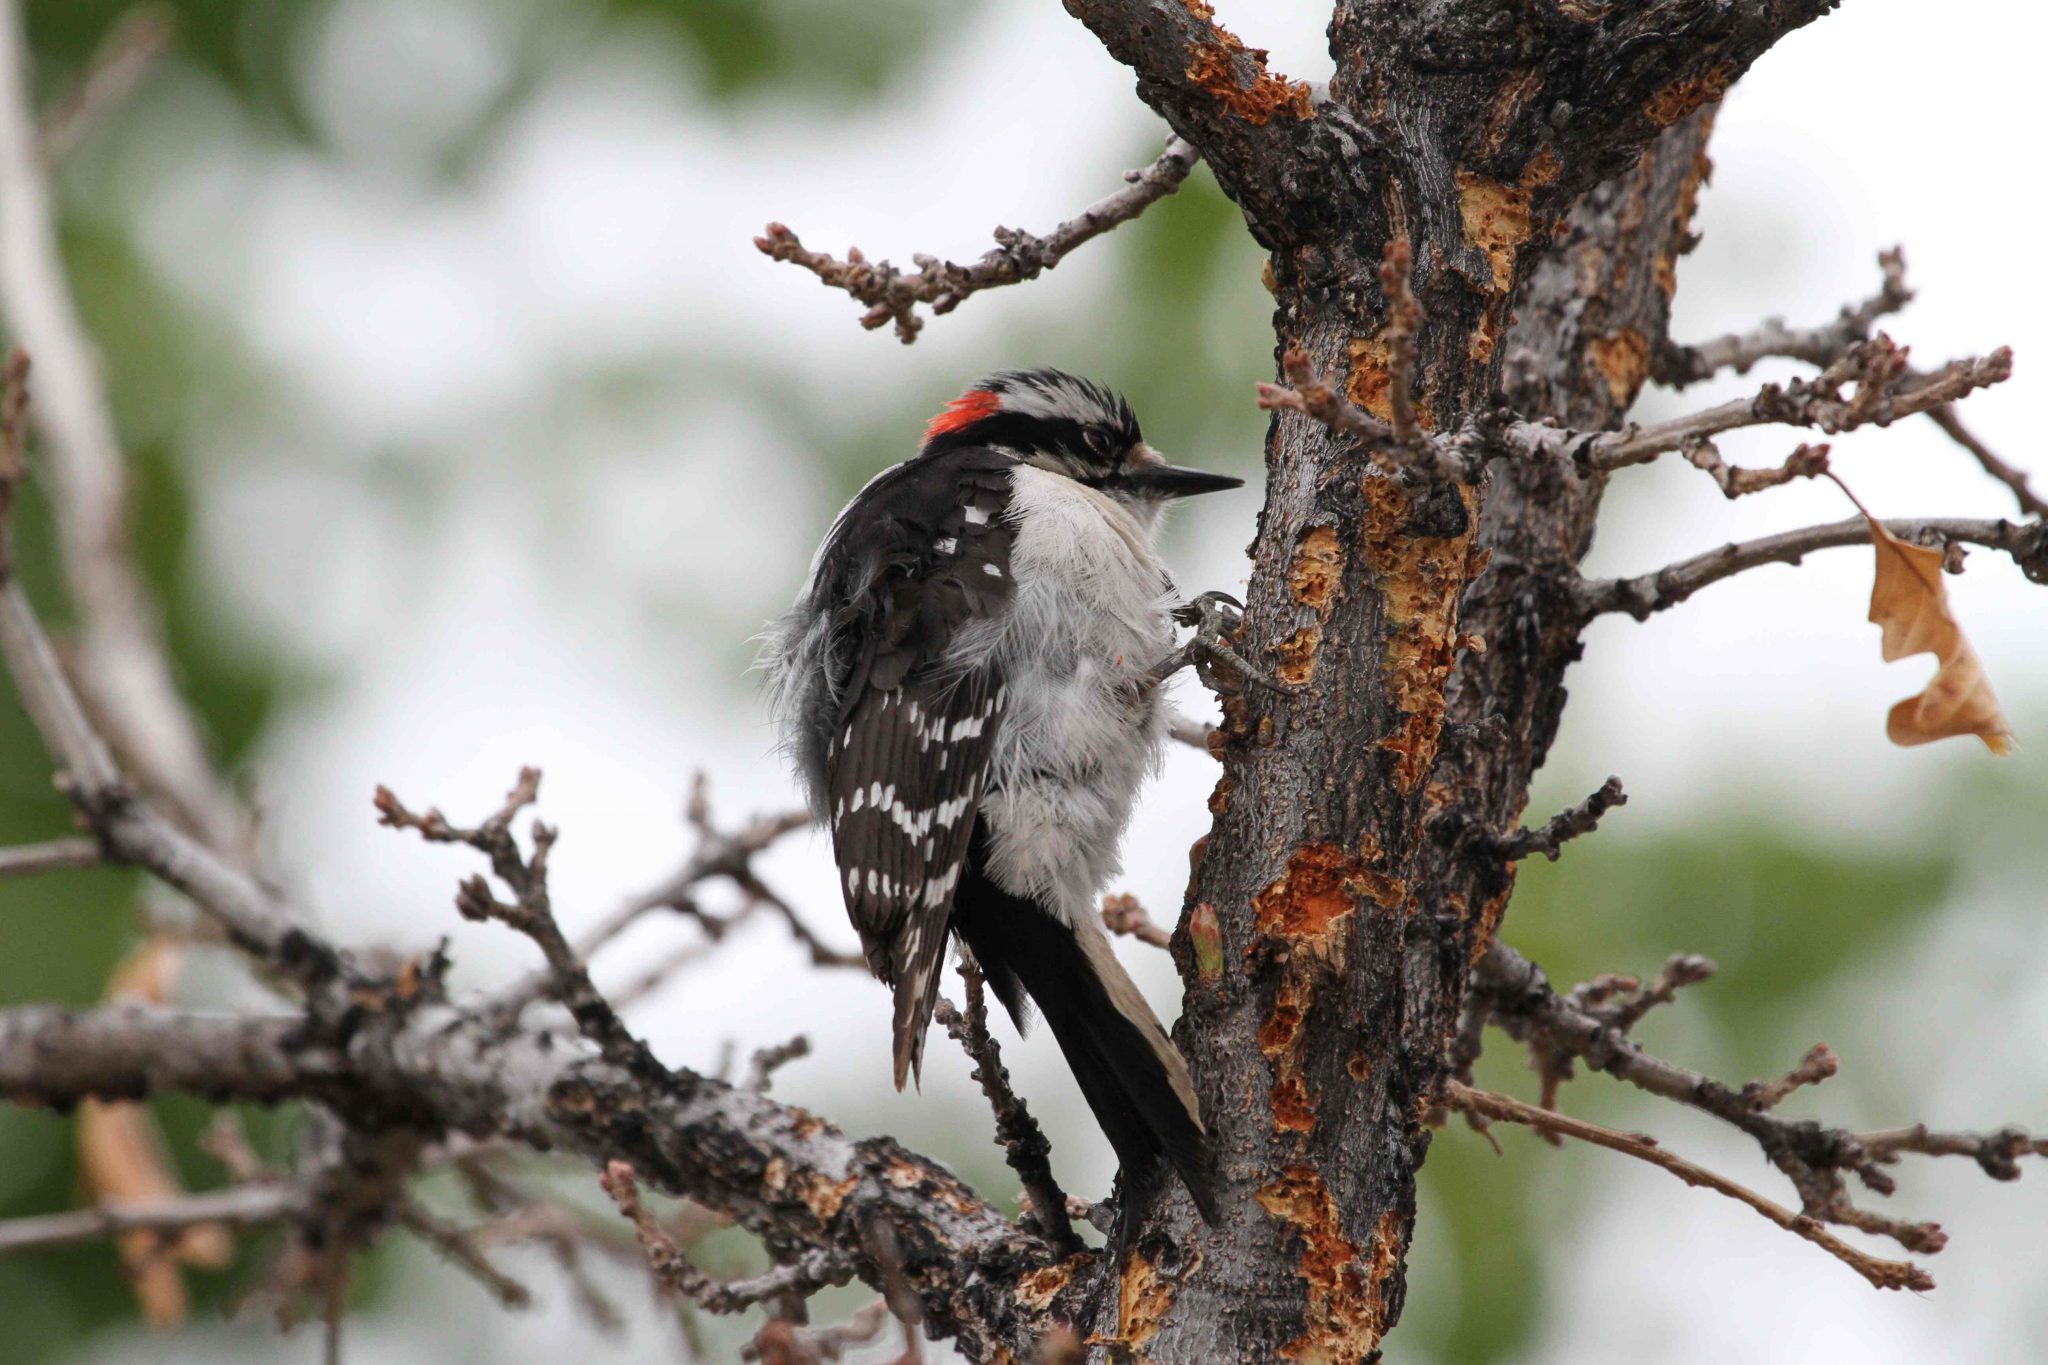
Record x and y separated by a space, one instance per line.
55 855
785 1175
1680 366
1886 390
1550 837
1023 1142
2031 503
1882 1274
892 296
1644 594
1813 1156
237 1206
121 662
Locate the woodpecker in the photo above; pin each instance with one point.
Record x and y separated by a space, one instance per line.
969 687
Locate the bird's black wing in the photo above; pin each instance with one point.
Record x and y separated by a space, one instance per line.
918 558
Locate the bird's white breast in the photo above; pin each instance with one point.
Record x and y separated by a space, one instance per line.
1088 627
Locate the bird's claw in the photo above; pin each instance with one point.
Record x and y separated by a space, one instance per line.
1216 617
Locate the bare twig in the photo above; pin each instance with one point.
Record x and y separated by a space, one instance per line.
459 1246
1813 1156
1886 389
1997 1152
717 854
1679 366
1023 1142
237 1206
1882 1274
2026 542
2031 503
531 911
124 58
1307 392
1404 315
1124 915
1818 1064
1551 836
892 296
768 1060
1805 462
1680 970
121 663
810 1272
55 855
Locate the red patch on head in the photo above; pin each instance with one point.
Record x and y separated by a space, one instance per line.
964 411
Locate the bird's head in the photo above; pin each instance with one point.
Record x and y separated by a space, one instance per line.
1071 427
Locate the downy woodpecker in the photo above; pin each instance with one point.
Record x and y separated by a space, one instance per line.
969 685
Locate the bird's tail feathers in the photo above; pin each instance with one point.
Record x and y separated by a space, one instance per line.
1131 1074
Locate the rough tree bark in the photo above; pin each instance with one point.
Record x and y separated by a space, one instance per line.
1320 1033
1476 228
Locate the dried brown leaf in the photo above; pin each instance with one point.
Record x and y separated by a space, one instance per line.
1909 602
121 1159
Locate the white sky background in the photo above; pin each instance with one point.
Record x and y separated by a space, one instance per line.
581 595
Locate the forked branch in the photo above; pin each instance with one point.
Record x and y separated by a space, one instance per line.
892 296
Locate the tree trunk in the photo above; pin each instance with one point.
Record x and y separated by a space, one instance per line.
1338 902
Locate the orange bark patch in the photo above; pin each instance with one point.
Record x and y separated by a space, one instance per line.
1371 382
1422 578
819 1193
1310 903
1490 914
1318 568
1212 66
1219 798
1308 909
1674 101
1688 199
1041 1287
1346 1311
1496 220
1293 1111
1144 1297
1622 359
1298 654
1497 216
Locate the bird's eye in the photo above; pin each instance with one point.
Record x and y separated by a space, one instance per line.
1100 445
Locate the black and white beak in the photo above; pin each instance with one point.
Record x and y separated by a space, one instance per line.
1155 477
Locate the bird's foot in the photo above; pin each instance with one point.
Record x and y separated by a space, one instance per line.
1216 618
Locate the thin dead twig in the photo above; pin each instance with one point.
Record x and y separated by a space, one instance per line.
1023 1142
1886 389
125 57
531 910
1679 366
892 296
247 1205
460 1246
53 856
1124 915
1550 837
1421 455
811 1271
1645 594
1882 1274
2031 503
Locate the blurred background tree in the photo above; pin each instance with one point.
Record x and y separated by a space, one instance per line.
469 431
